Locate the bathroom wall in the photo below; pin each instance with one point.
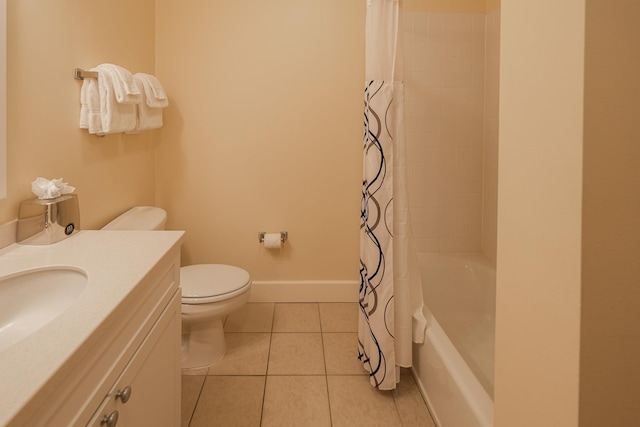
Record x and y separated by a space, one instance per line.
492 5
451 82
568 325
539 213
45 42
446 6
263 133
610 318
490 142
444 77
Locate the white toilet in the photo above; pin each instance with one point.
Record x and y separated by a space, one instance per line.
209 293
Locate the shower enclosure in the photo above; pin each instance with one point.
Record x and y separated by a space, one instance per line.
451 75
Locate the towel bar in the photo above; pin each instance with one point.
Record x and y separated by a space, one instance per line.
80 74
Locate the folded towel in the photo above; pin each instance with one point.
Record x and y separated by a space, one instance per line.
125 89
114 116
152 88
147 117
90 106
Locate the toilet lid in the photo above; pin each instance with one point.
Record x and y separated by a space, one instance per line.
211 280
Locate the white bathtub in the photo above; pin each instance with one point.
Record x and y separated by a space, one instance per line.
454 367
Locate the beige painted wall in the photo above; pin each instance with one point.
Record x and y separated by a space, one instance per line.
610 349
263 132
539 213
45 41
492 5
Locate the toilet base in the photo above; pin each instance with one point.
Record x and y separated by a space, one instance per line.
203 344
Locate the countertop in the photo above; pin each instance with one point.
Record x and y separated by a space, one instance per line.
115 263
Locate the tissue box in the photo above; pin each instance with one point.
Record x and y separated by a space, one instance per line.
46 221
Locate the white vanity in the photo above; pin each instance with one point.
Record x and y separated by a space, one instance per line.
112 357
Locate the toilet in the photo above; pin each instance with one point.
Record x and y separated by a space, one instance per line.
209 293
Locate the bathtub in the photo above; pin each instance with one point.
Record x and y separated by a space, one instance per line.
454 366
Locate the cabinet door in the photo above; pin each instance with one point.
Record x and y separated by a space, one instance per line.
148 391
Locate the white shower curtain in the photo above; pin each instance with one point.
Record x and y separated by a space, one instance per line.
390 297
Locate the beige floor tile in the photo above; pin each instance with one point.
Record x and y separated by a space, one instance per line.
252 317
296 401
296 317
296 354
230 401
341 354
411 406
355 403
339 317
247 354
191 387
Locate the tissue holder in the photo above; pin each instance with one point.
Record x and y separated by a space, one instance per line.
47 221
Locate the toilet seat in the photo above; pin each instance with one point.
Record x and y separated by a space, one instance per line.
205 283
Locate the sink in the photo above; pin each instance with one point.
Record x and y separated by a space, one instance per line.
31 299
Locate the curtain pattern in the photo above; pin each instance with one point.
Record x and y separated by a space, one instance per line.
391 303
376 297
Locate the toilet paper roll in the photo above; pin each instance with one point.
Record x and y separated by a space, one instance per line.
272 241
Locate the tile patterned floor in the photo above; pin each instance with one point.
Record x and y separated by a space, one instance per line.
295 365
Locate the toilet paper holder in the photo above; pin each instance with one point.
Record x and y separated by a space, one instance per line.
283 236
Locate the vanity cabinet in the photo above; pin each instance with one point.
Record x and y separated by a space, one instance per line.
129 366
144 394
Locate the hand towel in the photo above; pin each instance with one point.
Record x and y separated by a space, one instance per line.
125 89
153 90
90 106
147 117
114 116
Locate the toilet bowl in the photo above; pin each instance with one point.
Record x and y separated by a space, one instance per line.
209 293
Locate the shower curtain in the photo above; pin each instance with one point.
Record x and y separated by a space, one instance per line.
390 296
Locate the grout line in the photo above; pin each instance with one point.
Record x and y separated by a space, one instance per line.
326 372
193 412
395 404
266 373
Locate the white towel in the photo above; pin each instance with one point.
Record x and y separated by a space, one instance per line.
152 88
114 116
90 106
125 89
147 117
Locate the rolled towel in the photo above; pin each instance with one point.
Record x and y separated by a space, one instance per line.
153 90
114 116
125 88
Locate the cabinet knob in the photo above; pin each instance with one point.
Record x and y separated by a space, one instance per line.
124 395
110 420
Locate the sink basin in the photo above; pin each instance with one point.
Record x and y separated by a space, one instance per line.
31 299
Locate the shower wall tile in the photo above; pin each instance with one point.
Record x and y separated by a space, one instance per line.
435 25
445 84
490 149
458 28
428 245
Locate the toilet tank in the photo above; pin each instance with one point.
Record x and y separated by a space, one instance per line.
144 218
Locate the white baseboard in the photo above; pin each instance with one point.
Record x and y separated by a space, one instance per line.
304 291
